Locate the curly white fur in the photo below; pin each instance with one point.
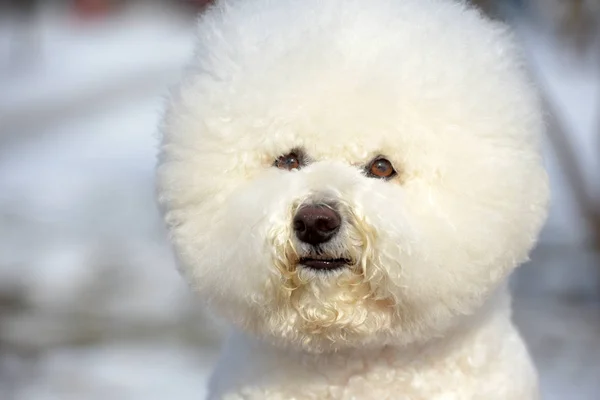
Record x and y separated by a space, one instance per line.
422 310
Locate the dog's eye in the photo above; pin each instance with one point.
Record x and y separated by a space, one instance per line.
381 168
289 161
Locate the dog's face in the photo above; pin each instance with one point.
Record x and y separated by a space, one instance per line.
340 195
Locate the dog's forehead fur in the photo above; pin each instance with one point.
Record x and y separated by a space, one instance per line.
346 80
430 84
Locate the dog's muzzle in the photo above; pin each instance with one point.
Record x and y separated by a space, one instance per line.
316 225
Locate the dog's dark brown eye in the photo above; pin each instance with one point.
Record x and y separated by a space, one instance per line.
381 168
289 162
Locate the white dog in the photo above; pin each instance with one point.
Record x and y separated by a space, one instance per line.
350 183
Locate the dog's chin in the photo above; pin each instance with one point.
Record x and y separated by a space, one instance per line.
327 297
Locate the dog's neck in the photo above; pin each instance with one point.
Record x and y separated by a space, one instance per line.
473 343
496 307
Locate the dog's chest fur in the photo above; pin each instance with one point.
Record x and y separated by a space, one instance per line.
489 362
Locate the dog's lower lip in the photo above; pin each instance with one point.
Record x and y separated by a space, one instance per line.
324 264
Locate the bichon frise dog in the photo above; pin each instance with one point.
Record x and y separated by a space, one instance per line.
350 183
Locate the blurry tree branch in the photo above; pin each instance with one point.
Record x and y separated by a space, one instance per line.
588 204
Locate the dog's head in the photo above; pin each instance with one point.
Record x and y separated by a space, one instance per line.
342 173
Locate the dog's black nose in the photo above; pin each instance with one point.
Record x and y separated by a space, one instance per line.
316 224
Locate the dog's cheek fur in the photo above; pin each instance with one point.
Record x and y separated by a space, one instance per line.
448 245
220 231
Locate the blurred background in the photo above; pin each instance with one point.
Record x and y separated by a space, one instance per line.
91 306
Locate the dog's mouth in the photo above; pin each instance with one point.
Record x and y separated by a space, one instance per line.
324 263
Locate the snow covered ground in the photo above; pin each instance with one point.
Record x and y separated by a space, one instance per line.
90 303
